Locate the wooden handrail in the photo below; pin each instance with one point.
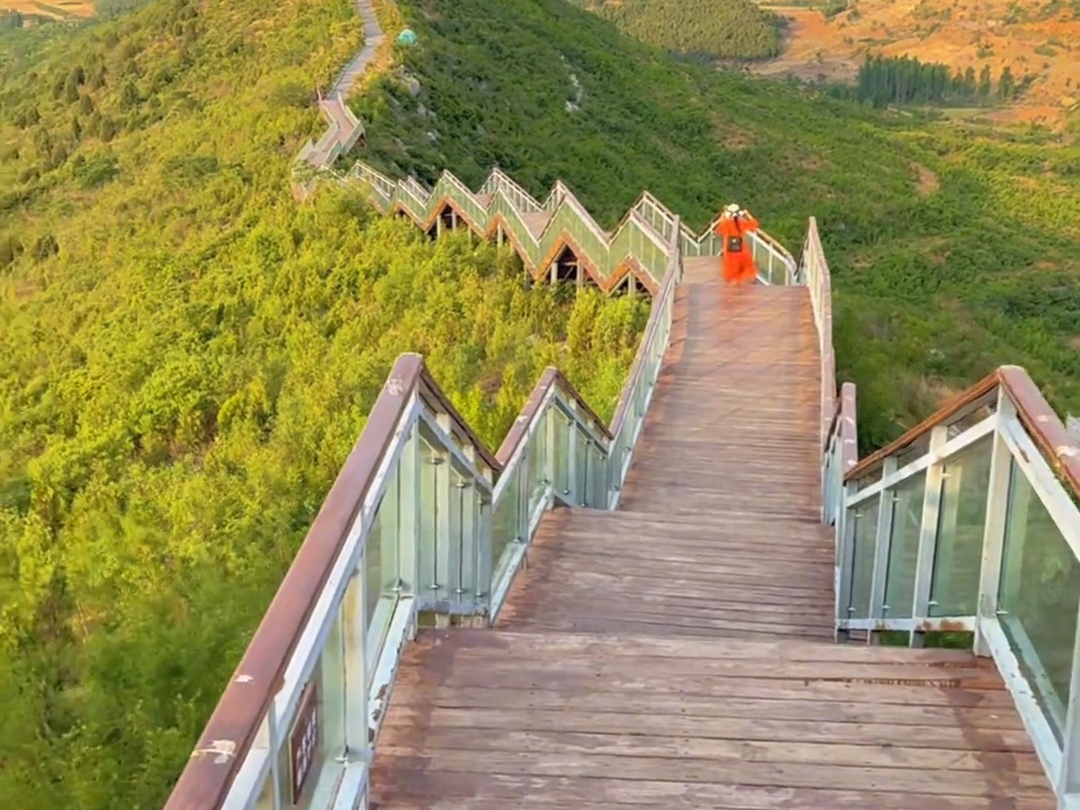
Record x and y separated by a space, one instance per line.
231 729
551 378
1043 424
1038 418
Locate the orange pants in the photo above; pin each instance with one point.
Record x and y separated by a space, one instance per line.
738 268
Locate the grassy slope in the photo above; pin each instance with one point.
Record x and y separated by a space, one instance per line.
940 275
186 357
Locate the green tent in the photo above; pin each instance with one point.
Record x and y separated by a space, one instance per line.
407 37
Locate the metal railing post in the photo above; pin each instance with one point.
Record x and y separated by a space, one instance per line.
924 566
882 543
993 541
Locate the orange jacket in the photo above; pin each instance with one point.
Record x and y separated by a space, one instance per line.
734 228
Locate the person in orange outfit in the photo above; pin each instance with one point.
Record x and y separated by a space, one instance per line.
737 262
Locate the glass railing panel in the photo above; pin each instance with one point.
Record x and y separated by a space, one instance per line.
373 577
561 470
587 474
598 476
538 465
907 514
654 258
476 210
381 565
426 587
689 245
458 546
709 244
865 517
868 479
972 418
457 192
954 589
913 452
571 218
517 226
580 484
763 259
332 692
1038 595
309 758
506 522
413 204
615 460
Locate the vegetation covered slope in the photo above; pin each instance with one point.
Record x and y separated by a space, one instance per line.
726 29
953 250
186 357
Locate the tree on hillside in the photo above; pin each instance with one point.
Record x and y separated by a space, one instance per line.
701 29
906 80
985 84
1006 85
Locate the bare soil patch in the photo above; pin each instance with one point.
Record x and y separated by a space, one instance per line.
56 9
1035 38
928 180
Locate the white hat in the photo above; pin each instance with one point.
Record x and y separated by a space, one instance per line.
733 208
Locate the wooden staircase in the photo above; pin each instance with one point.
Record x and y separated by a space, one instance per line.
678 653
484 720
656 574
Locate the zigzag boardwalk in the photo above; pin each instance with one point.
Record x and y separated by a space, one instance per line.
679 653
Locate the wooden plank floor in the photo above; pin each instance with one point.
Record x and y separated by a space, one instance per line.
678 653
719 525
717 573
498 720
733 424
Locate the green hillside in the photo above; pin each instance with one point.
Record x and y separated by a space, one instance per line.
723 29
186 358
953 250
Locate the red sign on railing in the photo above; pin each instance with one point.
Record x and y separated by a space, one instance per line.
303 740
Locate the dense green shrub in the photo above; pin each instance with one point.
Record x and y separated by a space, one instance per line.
725 29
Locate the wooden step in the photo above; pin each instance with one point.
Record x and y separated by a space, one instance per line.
712 574
495 719
536 222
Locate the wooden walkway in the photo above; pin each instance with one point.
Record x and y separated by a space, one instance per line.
678 653
719 526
